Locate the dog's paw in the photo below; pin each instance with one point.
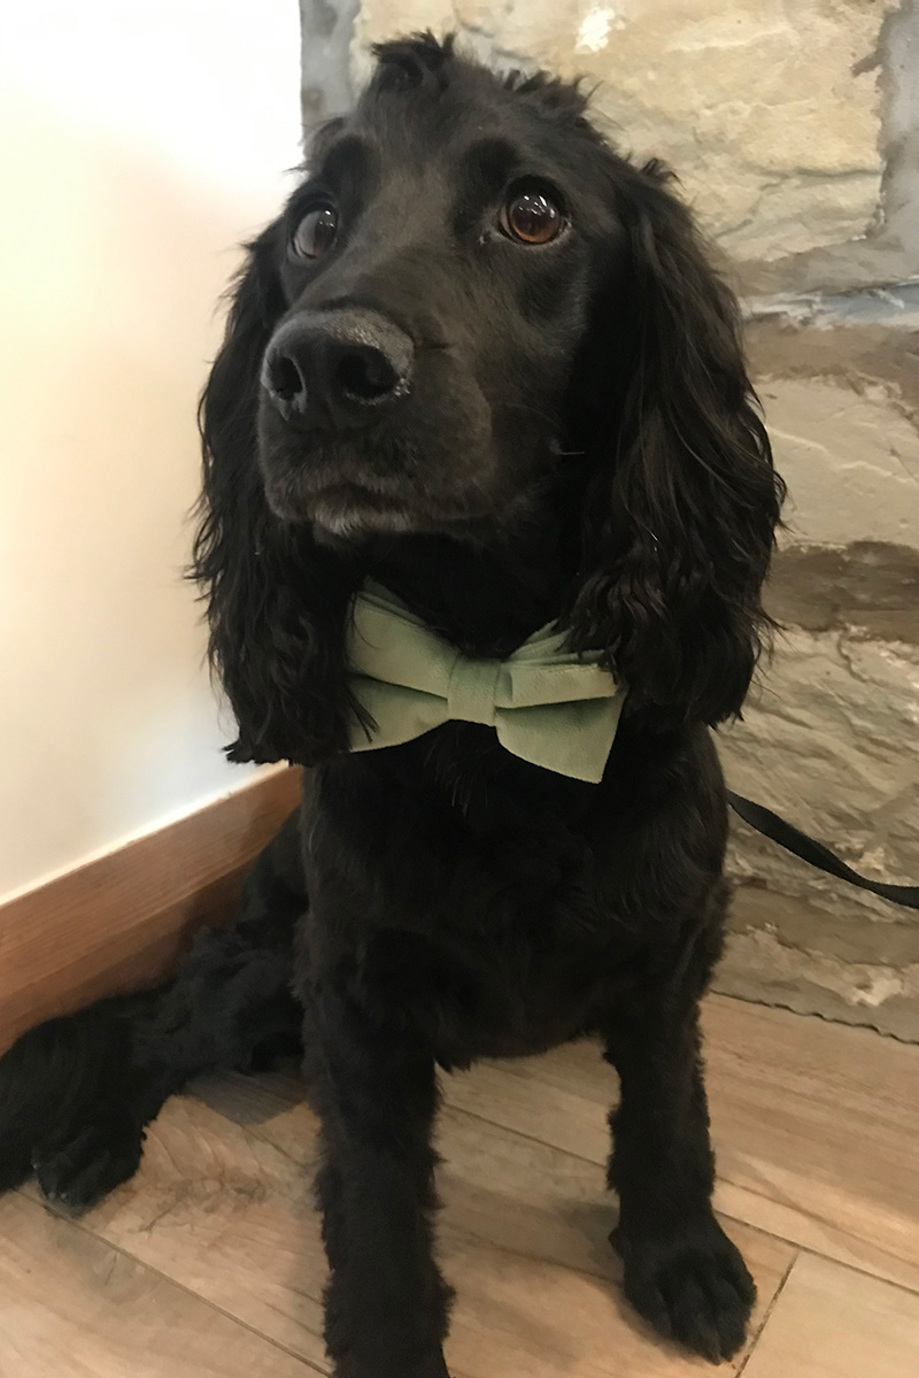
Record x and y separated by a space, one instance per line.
78 1169
693 1287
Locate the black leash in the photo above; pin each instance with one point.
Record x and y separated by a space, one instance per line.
793 840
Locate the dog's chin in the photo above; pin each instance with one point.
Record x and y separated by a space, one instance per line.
350 511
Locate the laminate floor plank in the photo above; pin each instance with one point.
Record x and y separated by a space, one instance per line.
833 1322
224 1208
73 1307
816 1127
227 1212
517 1316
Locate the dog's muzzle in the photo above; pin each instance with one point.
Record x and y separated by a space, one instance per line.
337 368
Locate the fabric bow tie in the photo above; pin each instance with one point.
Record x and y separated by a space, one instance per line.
549 706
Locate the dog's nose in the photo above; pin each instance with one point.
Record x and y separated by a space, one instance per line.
339 366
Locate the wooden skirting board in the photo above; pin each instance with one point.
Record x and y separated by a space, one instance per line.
121 922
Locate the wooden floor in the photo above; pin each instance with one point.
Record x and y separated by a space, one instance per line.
209 1264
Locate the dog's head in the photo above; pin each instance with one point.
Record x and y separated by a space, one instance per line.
470 299
438 268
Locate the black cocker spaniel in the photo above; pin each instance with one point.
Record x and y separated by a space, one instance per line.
480 363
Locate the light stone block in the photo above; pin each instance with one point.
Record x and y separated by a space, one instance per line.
850 457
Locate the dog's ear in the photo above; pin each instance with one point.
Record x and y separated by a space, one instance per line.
683 501
276 602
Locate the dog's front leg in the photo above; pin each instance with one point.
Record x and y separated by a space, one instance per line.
386 1303
681 1270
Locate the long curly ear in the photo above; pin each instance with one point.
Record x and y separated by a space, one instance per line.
683 501
276 603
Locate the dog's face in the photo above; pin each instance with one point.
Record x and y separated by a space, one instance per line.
438 267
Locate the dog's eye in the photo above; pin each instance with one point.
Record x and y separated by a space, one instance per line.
532 217
315 233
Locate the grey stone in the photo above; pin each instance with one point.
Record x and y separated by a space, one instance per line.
830 740
758 966
326 28
868 587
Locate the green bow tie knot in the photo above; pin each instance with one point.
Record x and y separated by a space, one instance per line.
473 690
549 706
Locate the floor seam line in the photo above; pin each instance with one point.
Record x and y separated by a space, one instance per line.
768 1315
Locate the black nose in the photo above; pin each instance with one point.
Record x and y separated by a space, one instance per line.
337 366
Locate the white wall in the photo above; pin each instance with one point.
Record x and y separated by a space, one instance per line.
140 141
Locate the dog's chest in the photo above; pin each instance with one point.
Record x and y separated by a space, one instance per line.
489 927
506 994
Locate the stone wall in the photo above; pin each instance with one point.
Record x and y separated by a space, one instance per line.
795 132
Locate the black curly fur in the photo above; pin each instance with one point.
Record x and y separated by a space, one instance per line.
580 443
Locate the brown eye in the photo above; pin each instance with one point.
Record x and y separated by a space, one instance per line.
532 217
316 233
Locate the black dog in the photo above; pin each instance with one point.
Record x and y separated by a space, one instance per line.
482 360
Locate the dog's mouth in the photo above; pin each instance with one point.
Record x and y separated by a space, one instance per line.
340 490
346 509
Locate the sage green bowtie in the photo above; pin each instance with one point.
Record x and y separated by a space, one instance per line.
549 706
